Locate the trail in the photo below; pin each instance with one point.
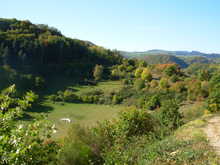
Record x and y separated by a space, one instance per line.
212 131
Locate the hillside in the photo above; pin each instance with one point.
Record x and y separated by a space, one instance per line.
40 49
164 59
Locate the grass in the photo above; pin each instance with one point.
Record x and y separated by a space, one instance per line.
187 146
83 114
192 111
106 86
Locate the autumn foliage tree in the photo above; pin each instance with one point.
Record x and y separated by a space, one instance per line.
98 72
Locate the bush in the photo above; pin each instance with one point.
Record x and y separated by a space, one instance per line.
139 84
69 96
171 70
133 122
174 78
164 84
81 147
146 75
169 115
20 143
153 102
213 101
116 99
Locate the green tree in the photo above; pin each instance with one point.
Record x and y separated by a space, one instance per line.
139 84
164 84
169 115
98 72
23 144
146 75
171 70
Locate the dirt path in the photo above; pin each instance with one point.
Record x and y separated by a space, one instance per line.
212 131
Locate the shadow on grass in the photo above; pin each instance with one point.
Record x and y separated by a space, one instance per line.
41 109
38 109
26 117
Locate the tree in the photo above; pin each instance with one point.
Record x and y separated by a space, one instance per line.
23 144
146 75
139 84
171 70
164 84
169 114
138 72
98 72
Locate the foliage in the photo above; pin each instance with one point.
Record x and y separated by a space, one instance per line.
139 84
164 84
213 101
171 70
138 72
169 115
146 75
23 144
25 46
98 71
153 102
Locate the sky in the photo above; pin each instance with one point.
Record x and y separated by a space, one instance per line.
129 25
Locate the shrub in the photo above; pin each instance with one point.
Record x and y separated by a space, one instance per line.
69 96
174 78
138 72
139 84
116 99
153 102
179 87
213 101
169 115
23 144
153 84
204 75
81 147
146 75
164 84
171 70
98 72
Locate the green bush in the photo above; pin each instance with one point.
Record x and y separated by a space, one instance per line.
169 115
153 102
20 143
213 101
139 84
69 96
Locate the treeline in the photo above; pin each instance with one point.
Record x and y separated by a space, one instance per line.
43 50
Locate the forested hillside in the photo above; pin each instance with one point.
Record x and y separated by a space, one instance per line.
164 59
42 50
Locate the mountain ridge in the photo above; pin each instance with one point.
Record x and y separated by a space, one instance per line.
167 52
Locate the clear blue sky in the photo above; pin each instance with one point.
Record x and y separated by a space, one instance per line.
132 25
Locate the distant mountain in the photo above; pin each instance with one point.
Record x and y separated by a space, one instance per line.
165 52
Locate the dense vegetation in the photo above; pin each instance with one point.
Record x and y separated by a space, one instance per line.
28 50
159 103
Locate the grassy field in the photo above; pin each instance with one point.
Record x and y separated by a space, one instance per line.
83 114
106 86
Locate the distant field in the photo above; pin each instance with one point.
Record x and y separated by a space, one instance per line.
106 86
